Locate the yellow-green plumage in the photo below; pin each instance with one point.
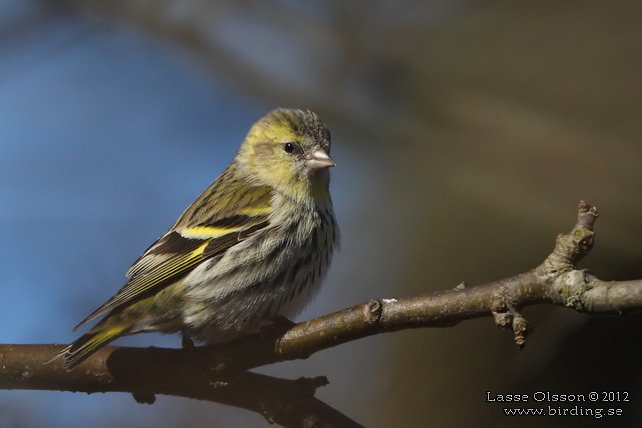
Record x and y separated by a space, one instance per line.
254 246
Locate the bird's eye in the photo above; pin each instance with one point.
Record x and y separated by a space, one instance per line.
288 147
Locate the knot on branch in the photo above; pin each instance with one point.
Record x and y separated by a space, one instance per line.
372 311
521 328
571 247
461 286
506 317
503 317
573 288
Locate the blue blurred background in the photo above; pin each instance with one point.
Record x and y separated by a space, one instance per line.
465 135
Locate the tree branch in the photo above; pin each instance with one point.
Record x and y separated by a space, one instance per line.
217 372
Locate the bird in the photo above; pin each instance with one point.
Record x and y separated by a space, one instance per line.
252 249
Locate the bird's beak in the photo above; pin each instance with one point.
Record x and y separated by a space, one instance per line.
319 159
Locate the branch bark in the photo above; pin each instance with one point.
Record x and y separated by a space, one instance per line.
217 373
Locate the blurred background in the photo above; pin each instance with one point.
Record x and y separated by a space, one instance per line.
466 132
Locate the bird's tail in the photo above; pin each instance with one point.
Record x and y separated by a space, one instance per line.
90 342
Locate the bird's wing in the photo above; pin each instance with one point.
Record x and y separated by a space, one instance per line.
181 249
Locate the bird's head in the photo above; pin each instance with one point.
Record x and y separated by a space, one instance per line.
289 150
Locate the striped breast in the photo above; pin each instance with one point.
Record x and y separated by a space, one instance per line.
275 272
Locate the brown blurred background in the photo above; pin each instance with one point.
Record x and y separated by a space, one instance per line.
466 132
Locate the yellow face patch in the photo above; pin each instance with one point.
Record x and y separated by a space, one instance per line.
281 132
268 133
